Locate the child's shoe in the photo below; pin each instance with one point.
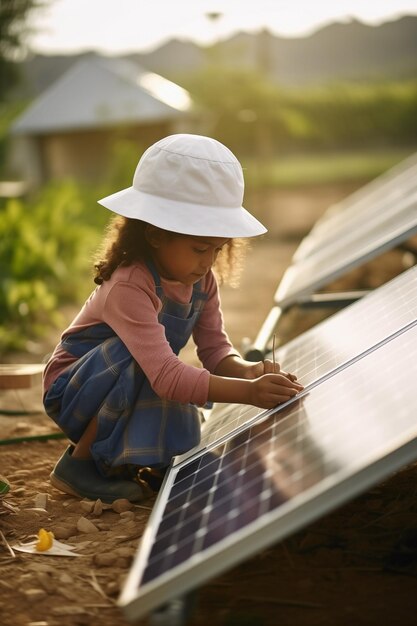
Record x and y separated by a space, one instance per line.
80 477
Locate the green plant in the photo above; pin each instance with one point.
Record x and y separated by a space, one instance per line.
45 252
47 243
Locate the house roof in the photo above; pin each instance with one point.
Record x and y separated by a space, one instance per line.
97 92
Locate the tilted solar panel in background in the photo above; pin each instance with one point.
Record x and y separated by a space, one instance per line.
364 243
329 346
368 202
359 228
284 471
372 199
381 182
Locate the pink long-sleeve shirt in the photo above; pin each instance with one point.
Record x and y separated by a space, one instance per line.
129 305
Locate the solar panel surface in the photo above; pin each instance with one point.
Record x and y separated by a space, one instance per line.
360 244
279 473
372 200
328 346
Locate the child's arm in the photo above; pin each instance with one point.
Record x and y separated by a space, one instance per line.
236 380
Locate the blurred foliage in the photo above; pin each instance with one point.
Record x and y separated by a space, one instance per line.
321 168
43 248
254 115
8 113
358 114
14 17
47 245
242 108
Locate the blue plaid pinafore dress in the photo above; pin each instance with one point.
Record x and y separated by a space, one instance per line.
135 426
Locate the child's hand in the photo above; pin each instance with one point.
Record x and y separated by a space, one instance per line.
266 367
271 389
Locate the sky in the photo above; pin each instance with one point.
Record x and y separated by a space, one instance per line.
121 26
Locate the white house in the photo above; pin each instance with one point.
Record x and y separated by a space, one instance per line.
70 129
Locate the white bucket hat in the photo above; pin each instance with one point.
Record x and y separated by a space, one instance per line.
188 184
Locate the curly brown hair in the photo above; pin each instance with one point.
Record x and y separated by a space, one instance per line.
125 243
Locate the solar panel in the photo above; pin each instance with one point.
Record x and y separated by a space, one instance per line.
350 332
329 346
285 470
360 244
378 197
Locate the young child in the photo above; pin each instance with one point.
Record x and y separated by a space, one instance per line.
114 383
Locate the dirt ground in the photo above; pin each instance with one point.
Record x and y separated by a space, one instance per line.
357 565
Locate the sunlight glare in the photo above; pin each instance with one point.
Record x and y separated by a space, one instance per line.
164 90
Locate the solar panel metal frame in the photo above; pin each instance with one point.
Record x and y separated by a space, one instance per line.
277 524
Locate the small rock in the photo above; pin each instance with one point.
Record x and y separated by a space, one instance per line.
19 492
41 500
112 588
121 505
125 551
106 559
68 610
64 532
34 595
19 428
68 594
41 567
127 515
66 579
37 510
87 506
47 582
128 525
84 525
103 525
22 473
98 508
85 544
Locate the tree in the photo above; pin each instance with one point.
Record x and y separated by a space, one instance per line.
14 16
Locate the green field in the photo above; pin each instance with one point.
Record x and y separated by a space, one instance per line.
322 168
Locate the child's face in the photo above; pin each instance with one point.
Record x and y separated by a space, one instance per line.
185 258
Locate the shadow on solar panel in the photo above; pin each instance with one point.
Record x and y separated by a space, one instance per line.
264 478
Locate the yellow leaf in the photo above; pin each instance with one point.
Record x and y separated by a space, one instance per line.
45 540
